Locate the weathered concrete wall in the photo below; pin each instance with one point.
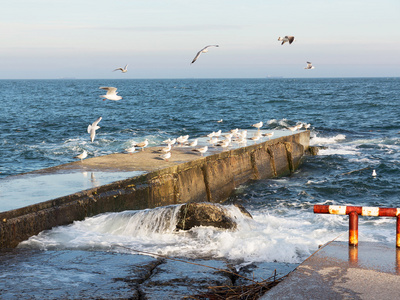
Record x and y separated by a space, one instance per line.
210 178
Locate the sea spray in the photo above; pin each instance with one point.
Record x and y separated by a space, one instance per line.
278 236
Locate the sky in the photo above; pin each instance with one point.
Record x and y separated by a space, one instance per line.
51 39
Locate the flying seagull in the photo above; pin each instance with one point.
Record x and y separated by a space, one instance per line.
309 66
204 50
123 70
287 38
111 93
92 129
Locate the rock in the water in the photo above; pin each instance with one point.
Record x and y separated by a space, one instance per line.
243 210
206 214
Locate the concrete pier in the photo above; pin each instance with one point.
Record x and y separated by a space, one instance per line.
186 177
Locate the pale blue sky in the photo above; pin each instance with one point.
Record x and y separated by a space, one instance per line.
158 39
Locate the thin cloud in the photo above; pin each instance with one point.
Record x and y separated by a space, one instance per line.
168 28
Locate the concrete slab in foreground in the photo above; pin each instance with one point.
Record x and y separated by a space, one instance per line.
338 271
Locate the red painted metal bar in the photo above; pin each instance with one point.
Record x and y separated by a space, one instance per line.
353 228
354 212
398 231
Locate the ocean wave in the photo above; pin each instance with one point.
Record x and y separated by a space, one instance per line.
316 140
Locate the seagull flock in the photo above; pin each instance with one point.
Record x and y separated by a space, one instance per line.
214 138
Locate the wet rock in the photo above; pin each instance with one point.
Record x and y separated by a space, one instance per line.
177 280
313 150
206 214
243 210
260 271
33 274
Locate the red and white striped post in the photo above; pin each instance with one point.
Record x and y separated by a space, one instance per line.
354 212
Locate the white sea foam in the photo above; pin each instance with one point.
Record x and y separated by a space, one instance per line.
341 150
315 141
282 234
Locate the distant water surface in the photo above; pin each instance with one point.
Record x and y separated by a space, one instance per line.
43 123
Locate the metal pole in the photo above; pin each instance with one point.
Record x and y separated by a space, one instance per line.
398 231
353 229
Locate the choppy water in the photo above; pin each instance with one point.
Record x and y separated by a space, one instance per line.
43 123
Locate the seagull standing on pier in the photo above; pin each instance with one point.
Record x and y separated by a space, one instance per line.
258 125
166 149
182 139
111 93
287 38
92 129
202 150
123 70
82 156
130 149
143 144
255 138
269 134
166 156
194 143
204 50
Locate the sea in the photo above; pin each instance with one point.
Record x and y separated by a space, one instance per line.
355 121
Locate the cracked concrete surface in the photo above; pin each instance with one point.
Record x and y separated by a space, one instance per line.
77 274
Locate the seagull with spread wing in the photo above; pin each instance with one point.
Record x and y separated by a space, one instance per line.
123 70
287 38
92 128
309 66
111 93
204 50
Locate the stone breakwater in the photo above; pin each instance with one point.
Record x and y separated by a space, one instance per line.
186 177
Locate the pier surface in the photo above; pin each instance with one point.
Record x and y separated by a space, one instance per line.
340 271
139 181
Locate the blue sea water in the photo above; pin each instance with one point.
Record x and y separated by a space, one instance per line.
43 123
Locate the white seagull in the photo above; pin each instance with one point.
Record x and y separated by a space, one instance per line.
202 150
194 143
143 144
309 66
182 139
82 155
213 141
255 138
166 156
373 173
123 70
258 125
204 50
166 149
92 129
269 134
287 38
169 141
130 149
111 93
